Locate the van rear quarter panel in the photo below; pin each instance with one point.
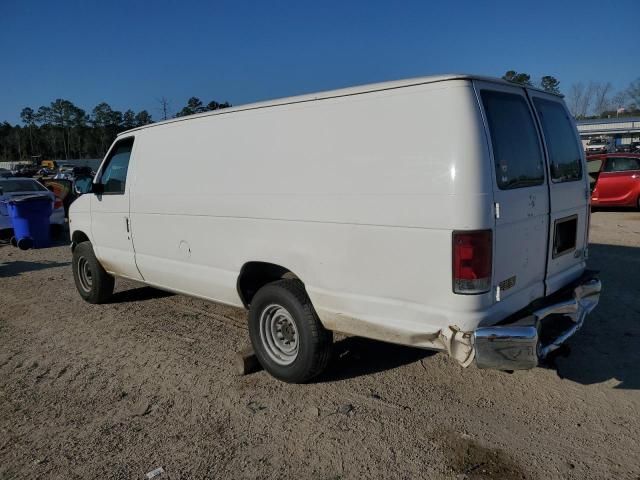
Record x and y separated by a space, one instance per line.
357 195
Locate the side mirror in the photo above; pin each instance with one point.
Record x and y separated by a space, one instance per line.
97 188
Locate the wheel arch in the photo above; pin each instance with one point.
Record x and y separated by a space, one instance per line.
256 274
77 237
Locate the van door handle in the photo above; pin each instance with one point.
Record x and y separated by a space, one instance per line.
126 222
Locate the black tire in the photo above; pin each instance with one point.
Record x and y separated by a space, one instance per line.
314 342
94 284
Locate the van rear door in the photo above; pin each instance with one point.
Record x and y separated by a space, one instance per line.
521 196
568 191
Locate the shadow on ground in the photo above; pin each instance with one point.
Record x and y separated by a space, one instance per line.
356 356
615 209
18 267
607 349
608 346
139 294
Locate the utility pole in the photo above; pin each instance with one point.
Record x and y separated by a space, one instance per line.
164 107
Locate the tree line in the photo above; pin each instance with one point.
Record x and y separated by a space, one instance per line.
591 100
62 130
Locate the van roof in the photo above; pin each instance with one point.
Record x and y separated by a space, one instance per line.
342 92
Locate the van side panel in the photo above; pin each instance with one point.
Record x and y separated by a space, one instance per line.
356 195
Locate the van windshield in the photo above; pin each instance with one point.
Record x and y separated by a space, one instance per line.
516 150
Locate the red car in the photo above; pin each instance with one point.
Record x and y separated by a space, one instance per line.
615 179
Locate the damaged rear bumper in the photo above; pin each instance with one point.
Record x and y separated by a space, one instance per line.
520 343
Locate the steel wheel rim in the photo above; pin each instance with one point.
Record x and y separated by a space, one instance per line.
84 274
279 334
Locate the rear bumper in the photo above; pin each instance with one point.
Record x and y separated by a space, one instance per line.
522 341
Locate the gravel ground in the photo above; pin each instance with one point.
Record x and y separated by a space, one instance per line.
114 391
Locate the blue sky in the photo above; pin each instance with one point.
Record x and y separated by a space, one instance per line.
131 53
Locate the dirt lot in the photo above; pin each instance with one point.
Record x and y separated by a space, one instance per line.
117 390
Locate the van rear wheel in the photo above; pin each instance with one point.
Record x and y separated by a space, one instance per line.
287 336
94 284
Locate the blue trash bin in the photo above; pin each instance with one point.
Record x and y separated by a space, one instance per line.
30 217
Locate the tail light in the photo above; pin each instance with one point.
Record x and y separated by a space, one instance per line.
57 203
472 261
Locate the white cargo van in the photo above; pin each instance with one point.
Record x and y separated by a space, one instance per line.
448 213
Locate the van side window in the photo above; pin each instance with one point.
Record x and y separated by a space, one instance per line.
114 173
516 150
564 153
621 164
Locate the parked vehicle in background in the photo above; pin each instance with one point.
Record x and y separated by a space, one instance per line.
4 173
430 212
598 145
635 147
64 174
50 164
616 180
624 148
82 172
71 172
79 177
20 187
63 189
27 171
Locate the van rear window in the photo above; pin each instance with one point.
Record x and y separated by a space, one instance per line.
516 150
564 154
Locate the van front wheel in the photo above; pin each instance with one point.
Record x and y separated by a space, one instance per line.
287 336
94 284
